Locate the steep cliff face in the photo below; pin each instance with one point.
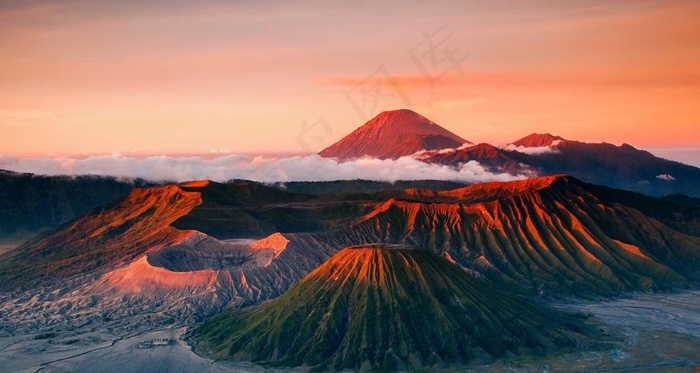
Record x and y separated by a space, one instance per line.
379 307
548 234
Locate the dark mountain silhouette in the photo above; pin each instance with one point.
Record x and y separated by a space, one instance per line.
32 203
623 167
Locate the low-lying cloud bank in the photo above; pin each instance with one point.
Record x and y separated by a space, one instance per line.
257 168
536 150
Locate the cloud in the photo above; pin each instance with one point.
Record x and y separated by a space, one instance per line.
533 150
424 154
665 177
257 168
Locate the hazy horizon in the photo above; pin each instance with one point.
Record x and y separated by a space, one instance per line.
223 166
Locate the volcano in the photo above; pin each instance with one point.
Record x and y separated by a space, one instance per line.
393 134
399 133
194 249
388 308
555 234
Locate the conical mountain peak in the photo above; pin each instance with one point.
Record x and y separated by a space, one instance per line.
393 134
405 119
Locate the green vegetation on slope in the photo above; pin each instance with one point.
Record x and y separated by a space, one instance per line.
380 308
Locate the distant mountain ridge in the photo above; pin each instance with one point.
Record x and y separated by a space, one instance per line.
32 203
399 133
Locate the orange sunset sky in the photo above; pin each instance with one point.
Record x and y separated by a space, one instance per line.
181 77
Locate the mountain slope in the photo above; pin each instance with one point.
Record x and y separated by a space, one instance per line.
553 236
537 140
32 203
393 134
384 308
150 219
550 235
398 133
114 235
623 167
494 159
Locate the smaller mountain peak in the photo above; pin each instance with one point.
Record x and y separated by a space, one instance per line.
482 147
537 140
500 189
195 184
275 241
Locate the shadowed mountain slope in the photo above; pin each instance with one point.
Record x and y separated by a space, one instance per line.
622 167
32 203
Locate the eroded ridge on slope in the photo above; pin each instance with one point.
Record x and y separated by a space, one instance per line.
377 307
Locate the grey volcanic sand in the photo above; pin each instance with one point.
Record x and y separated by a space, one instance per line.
655 333
122 356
